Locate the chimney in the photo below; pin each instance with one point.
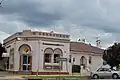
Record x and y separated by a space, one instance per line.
90 44
82 40
51 32
98 42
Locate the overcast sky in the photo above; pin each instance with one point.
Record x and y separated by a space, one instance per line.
78 18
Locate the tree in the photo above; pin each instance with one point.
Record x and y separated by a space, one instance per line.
2 50
112 55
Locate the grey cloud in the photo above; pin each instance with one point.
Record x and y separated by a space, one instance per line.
91 17
8 27
99 14
29 12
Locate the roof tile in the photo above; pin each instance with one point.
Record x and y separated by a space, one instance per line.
83 47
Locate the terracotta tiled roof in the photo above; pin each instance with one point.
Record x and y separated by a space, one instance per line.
83 47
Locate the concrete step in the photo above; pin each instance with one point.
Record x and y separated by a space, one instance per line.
24 73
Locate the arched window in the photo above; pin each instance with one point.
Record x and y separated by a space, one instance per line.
57 54
50 58
47 55
83 61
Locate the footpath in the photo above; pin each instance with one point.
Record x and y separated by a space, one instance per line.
10 76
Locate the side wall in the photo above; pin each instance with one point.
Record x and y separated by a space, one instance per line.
96 61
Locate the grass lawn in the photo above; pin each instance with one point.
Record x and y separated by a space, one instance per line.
56 76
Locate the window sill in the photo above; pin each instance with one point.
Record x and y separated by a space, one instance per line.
48 63
57 64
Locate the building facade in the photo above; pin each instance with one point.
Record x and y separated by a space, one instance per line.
36 52
49 53
85 57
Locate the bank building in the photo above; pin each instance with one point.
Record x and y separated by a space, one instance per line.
47 53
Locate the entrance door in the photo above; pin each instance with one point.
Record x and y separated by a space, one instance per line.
26 62
76 69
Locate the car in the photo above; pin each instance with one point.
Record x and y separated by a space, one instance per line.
105 72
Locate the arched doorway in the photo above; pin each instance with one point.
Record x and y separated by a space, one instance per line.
83 62
25 58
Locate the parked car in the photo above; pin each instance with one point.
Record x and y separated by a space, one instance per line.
105 72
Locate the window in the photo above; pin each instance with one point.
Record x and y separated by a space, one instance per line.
55 58
101 69
67 36
53 34
63 36
34 33
50 34
39 33
50 58
57 53
29 59
19 33
105 69
24 59
60 35
56 35
90 60
73 59
47 58
43 33
70 58
83 62
46 34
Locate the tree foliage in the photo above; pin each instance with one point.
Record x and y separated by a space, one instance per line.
112 55
2 50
